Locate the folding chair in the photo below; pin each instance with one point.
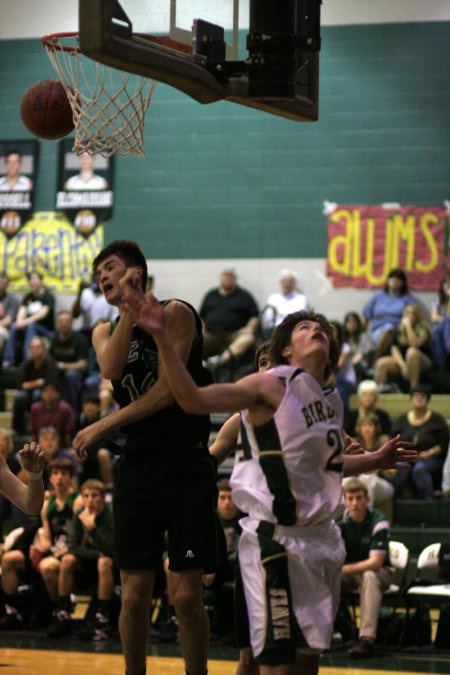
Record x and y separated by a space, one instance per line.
399 558
426 590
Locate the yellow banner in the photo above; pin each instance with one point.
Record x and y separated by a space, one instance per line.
49 244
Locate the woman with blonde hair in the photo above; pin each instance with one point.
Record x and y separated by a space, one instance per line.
411 352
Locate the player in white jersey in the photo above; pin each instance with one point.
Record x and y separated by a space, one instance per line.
290 551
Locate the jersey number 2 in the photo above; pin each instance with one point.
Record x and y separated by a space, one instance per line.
334 440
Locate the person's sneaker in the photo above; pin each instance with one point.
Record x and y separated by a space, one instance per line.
364 649
12 619
97 631
60 625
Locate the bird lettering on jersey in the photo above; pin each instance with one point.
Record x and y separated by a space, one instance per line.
315 412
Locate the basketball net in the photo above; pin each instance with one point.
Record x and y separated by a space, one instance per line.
108 105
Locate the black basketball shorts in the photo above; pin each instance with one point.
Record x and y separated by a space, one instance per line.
154 496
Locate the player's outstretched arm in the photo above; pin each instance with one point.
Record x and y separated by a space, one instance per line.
394 454
28 498
150 316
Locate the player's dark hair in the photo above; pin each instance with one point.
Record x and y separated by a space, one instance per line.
128 252
338 331
281 338
61 464
263 350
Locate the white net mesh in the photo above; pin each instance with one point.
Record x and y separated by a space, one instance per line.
108 105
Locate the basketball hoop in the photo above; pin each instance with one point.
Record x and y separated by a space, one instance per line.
108 105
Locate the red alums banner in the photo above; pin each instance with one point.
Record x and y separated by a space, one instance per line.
366 242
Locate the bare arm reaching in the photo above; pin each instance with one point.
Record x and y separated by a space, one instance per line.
260 392
395 454
28 498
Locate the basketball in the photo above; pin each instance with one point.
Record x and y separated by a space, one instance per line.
46 110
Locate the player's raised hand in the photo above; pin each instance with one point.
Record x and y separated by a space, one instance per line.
31 457
352 446
132 281
146 312
396 454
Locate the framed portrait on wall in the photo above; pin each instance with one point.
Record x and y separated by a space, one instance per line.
18 173
84 188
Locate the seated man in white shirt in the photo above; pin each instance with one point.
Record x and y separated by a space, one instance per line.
279 305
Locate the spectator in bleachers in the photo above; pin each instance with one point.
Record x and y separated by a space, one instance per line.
365 532
48 440
219 586
367 403
230 318
345 381
441 344
384 311
8 310
429 432
441 306
34 317
91 305
368 433
17 569
279 305
98 463
34 371
361 349
56 515
88 562
39 551
51 411
69 349
411 352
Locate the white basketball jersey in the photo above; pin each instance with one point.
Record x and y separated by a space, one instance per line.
290 469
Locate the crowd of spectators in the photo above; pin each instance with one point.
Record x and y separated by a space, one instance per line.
387 347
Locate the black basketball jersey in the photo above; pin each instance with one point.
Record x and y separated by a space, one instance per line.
169 430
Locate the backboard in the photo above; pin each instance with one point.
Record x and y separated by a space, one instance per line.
195 45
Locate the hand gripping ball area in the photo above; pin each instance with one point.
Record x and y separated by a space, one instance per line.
46 110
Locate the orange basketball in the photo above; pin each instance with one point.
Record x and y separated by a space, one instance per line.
46 110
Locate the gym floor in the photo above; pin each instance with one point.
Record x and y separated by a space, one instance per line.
34 653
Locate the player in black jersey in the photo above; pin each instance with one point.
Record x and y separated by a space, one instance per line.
165 478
